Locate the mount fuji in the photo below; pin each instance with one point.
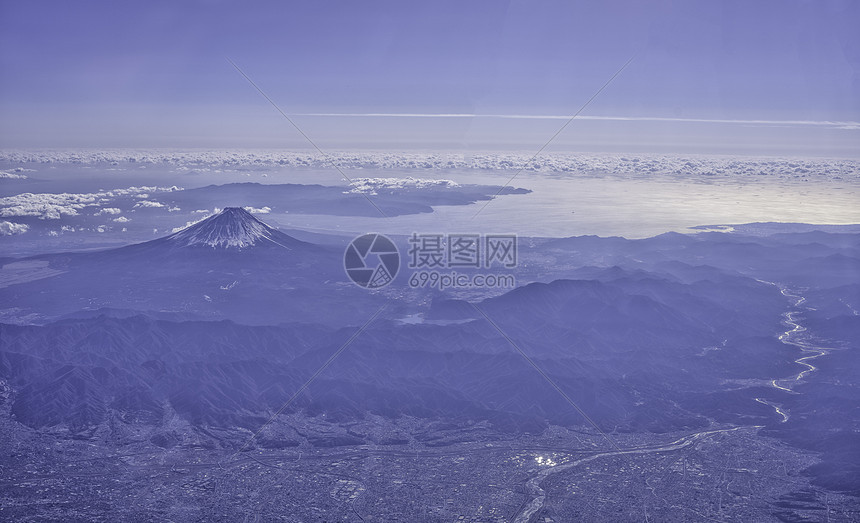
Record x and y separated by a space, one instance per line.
227 266
233 231
232 228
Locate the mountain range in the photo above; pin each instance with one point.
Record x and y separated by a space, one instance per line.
198 337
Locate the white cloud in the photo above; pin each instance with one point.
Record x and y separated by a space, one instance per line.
261 210
148 203
10 228
53 206
122 219
45 206
187 225
372 185
12 175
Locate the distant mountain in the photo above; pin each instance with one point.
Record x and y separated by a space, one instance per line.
232 231
394 198
232 228
228 266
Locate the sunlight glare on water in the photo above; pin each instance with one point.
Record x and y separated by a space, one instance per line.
633 208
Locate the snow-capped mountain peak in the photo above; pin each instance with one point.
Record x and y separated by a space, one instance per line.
232 228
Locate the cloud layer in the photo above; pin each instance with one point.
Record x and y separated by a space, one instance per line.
605 164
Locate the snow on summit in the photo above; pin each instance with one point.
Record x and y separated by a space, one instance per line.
234 227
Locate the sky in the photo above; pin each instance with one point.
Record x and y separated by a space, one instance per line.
755 77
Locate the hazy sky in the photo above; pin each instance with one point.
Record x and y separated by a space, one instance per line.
155 74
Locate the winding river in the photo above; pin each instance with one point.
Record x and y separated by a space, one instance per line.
793 336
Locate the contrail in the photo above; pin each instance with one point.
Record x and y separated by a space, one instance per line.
822 123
